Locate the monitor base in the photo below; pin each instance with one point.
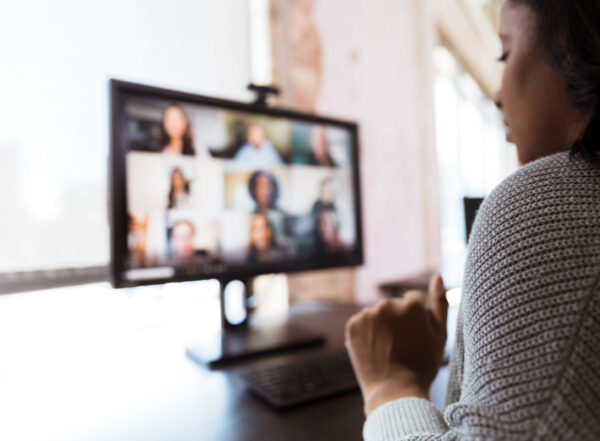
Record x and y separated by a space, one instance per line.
236 344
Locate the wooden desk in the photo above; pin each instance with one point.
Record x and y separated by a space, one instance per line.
76 374
95 364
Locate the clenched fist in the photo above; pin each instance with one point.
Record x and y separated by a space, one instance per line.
396 347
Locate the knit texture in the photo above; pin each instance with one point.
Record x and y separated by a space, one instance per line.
399 419
526 364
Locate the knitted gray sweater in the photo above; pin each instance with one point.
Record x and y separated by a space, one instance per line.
526 364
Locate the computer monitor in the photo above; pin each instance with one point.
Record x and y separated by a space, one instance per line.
471 207
205 188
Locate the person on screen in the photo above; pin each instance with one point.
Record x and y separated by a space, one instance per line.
176 132
328 240
257 151
319 148
264 189
263 246
179 193
137 236
326 198
182 240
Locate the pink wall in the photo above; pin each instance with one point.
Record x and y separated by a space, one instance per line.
376 69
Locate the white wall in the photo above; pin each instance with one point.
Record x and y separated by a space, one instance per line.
57 57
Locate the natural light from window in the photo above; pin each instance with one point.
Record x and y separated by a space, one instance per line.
473 156
54 113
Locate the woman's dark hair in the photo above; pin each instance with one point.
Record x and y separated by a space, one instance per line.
569 31
253 253
188 140
186 187
272 181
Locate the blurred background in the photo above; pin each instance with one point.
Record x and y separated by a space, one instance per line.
417 76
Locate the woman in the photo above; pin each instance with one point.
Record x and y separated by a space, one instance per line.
264 190
176 133
327 235
526 359
319 148
263 246
179 193
326 199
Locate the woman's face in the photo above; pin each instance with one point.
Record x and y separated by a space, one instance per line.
182 239
540 116
261 235
256 135
175 122
263 191
178 182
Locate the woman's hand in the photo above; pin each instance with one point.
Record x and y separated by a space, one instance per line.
396 347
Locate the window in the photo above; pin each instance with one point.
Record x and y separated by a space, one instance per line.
473 156
55 119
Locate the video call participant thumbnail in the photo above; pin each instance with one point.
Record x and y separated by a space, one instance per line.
182 240
257 151
264 189
179 193
137 237
319 148
176 132
328 240
263 244
326 197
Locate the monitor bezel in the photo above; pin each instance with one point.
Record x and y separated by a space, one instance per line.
119 90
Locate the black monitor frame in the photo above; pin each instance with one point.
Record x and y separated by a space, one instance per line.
119 90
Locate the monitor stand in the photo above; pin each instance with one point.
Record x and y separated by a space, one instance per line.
247 338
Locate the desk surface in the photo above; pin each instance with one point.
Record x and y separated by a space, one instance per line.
66 376
84 366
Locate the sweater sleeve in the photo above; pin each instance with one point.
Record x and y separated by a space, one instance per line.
530 329
405 419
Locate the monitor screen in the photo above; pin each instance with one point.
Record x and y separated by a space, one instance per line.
208 188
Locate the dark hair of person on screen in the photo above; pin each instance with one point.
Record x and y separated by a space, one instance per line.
327 233
179 193
264 189
319 148
326 198
262 242
176 132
